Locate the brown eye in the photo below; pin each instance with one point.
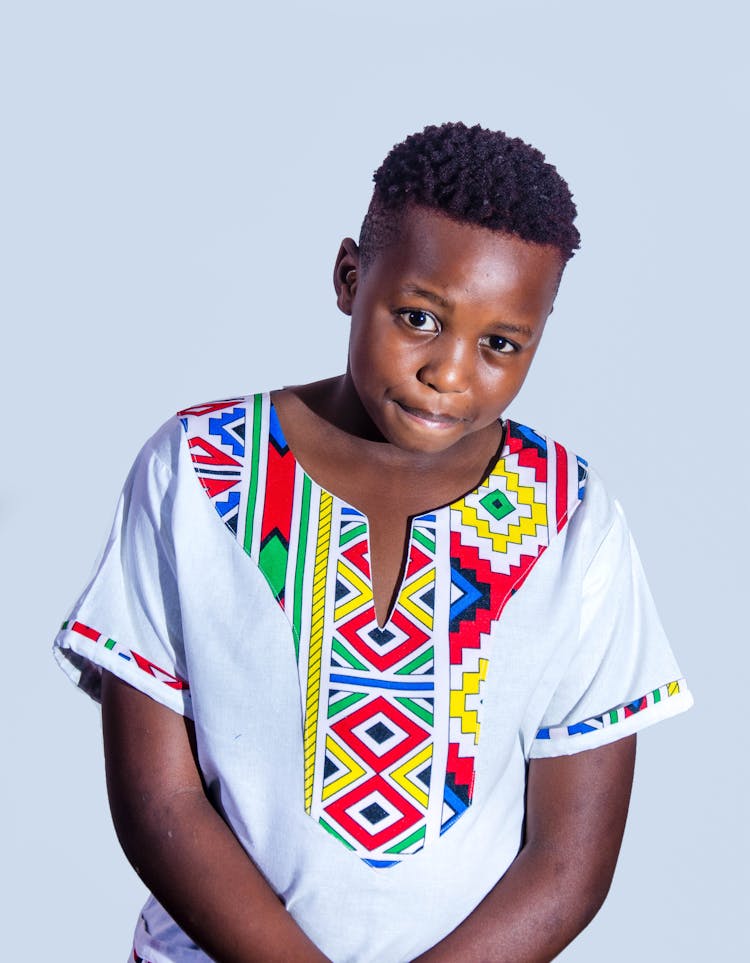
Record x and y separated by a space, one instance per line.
421 320
499 344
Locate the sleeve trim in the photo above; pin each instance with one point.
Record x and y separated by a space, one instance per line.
661 703
77 642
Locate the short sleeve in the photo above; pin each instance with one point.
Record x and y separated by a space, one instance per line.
623 675
127 620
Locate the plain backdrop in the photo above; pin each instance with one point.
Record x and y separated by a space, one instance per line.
176 179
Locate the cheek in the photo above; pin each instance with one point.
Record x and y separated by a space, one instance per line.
499 388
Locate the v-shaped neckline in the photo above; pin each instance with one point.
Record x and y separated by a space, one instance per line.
429 515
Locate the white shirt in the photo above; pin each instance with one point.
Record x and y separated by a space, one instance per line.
375 775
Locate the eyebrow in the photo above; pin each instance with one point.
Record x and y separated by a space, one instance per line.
514 329
428 295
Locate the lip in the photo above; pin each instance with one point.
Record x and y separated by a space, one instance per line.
434 419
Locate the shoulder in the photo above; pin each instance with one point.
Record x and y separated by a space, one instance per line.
223 419
576 490
199 440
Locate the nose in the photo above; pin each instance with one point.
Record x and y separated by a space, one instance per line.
447 368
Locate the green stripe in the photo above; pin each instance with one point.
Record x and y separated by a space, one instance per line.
657 695
299 571
345 703
409 841
428 543
613 716
110 644
339 649
63 626
418 662
417 709
352 533
333 832
254 461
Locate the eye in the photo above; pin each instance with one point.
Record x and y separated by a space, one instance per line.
500 345
421 320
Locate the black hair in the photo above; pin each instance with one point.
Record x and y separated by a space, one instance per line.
473 175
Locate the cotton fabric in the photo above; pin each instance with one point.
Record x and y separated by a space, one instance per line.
375 775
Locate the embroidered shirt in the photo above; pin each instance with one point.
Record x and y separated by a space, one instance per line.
374 774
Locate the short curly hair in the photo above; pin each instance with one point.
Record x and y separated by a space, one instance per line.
473 175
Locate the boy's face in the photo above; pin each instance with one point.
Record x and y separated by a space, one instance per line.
445 324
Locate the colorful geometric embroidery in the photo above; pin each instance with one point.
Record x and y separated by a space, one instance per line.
379 713
498 533
219 468
129 655
612 716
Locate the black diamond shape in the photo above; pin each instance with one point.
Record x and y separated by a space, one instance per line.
373 813
381 636
329 767
379 732
341 590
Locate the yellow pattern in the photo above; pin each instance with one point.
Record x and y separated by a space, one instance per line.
516 531
355 771
470 686
673 688
406 598
316 641
365 592
400 775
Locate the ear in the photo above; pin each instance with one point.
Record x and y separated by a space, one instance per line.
345 274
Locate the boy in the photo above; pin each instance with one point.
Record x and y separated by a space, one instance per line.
293 701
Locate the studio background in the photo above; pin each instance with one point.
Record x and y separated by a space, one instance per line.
176 179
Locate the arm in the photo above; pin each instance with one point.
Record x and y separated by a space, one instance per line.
575 816
177 842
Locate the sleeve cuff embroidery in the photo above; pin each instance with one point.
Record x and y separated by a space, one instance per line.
618 714
129 655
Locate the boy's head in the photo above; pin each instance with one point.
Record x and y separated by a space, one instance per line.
475 176
451 284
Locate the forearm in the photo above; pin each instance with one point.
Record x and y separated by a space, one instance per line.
179 844
541 904
576 808
195 867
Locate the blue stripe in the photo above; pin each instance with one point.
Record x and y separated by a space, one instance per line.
274 429
382 683
532 436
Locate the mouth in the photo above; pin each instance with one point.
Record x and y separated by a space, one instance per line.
434 419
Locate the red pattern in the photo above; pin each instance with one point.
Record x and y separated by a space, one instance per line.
370 841
173 681
415 637
414 733
279 497
561 496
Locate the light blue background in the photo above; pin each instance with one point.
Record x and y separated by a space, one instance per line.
176 178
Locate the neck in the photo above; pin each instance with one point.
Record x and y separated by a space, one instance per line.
335 401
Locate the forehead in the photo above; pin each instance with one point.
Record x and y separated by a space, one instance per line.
465 262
